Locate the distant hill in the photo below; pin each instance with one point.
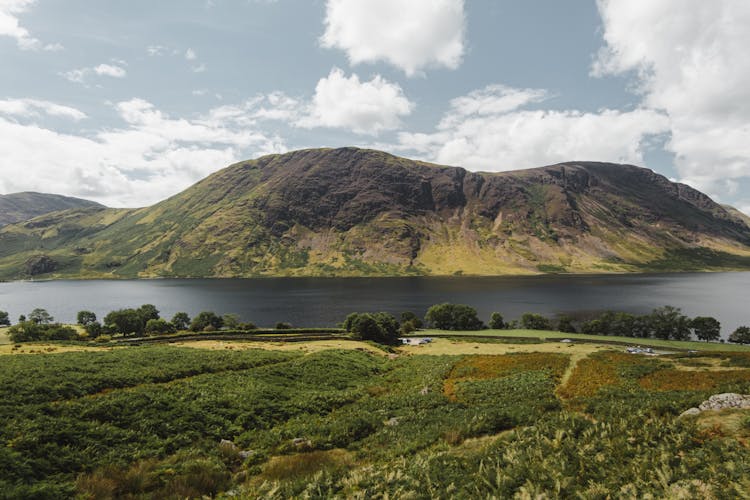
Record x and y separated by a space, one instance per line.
741 216
355 212
19 207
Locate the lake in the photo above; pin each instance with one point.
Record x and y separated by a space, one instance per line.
327 301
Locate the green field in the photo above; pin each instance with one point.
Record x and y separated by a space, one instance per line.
494 419
548 334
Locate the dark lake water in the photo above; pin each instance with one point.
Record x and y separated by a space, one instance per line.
326 301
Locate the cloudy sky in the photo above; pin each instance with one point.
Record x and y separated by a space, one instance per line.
127 103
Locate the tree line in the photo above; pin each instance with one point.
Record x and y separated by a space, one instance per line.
666 323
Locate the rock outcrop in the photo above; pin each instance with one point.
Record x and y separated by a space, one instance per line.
721 402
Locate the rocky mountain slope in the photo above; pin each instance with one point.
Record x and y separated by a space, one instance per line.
352 212
19 207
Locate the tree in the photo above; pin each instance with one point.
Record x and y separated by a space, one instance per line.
595 327
181 321
86 317
669 323
93 329
147 312
453 317
231 321
29 331
741 335
380 327
4 319
159 326
125 321
706 328
283 326
21 318
531 321
408 316
496 321
206 319
40 317
565 324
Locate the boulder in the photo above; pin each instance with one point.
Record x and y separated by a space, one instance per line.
721 402
690 411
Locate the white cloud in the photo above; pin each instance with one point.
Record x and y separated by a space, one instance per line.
689 58
411 35
200 68
364 107
10 26
486 129
80 75
28 108
190 55
110 70
149 157
156 50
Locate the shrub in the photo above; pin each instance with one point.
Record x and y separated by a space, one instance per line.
247 326
453 317
531 321
283 326
4 319
496 321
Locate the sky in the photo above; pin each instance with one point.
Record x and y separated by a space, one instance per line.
128 103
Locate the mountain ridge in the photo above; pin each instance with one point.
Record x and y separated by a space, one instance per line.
18 207
358 212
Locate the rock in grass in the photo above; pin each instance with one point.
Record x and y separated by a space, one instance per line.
721 402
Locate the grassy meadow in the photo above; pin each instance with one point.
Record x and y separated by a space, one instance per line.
457 418
512 335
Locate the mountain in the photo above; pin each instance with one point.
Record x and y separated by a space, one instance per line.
740 216
19 207
353 212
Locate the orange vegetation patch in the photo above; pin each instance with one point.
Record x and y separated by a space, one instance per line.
306 464
484 367
596 371
681 380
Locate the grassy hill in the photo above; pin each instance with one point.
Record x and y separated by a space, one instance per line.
354 212
19 207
